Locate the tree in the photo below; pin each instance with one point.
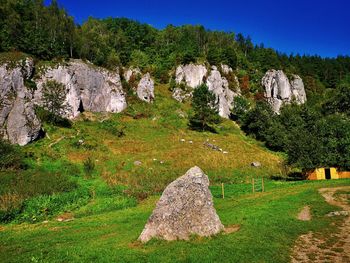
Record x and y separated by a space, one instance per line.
240 108
258 120
54 100
205 109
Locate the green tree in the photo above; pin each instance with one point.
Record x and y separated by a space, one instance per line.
241 107
258 120
54 100
205 109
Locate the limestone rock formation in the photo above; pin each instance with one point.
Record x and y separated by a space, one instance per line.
185 208
89 88
278 89
220 87
145 88
192 75
226 69
18 122
298 89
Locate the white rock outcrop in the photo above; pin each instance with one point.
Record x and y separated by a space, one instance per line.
145 88
185 208
220 87
226 69
278 89
194 75
18 122
89 88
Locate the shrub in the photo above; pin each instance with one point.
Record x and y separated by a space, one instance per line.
11 156
48 117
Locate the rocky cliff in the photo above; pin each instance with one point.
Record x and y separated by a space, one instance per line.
194 75
88 88
18 122
279 90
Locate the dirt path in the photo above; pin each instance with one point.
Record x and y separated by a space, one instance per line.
333 248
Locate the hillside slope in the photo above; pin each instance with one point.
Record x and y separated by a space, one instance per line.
153 134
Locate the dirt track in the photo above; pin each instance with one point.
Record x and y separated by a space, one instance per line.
333 248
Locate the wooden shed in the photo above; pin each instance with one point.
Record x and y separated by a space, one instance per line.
327 174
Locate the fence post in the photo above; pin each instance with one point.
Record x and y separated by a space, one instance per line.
262 184
223 190
253 185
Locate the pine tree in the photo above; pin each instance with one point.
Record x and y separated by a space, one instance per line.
205 109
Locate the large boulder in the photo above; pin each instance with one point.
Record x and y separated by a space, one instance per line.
145 88
279 90
18 122
185 208
88 87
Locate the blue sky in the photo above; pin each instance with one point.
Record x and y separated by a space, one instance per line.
305 27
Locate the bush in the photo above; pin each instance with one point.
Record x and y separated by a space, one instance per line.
11 156
47 117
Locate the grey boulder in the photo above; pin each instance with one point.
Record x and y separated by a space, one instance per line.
185 208
145 88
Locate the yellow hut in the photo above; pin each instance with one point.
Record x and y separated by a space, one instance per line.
327 174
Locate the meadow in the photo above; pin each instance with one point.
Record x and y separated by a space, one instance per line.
102 177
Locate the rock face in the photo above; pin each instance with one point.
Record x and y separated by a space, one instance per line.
298 89
89 88
145 89
226 69
220 87
194 75
18 122
185 208
278 89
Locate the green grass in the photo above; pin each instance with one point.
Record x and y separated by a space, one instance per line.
268 230
112 199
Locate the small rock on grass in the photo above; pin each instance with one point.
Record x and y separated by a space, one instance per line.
137 163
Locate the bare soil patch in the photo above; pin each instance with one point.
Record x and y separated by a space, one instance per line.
231 229
335 247
305 214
